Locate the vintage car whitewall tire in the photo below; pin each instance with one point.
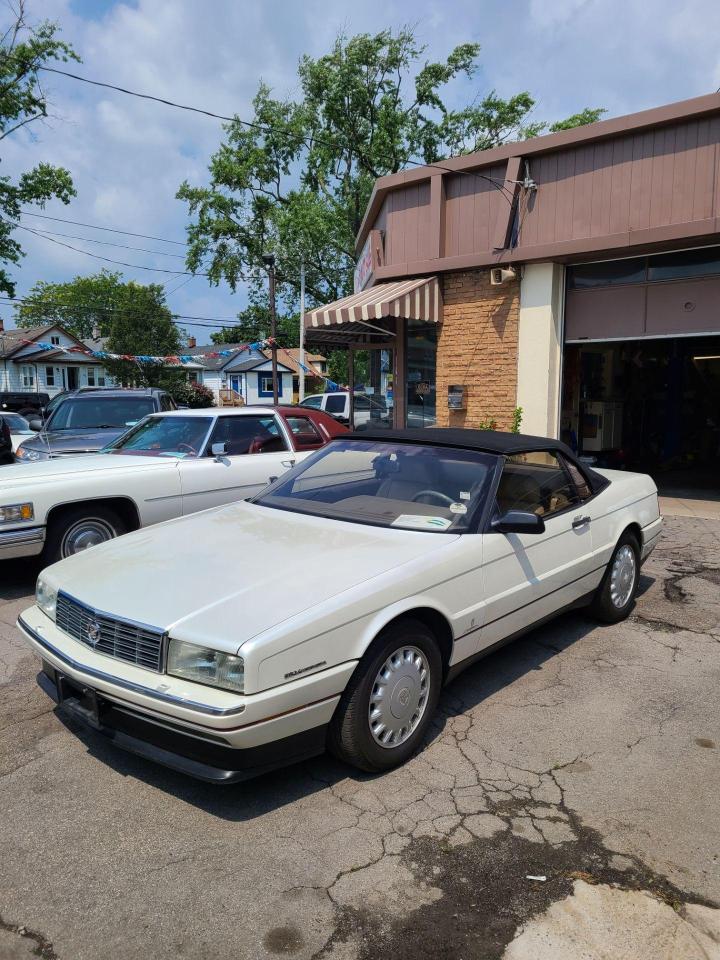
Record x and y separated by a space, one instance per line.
615 596
79 528
389 702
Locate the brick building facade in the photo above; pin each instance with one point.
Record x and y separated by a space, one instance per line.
477 347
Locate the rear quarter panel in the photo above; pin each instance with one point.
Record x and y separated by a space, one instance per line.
629 498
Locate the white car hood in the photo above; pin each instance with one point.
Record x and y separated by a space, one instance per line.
24 476
225 575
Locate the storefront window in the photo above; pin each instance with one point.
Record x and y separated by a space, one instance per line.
420 375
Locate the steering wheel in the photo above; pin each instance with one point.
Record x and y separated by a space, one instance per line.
190 449
444 500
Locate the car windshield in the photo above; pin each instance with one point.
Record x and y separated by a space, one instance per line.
164 437
401 485
98 412
16 423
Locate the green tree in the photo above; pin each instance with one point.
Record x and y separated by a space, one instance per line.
297 179
24 51
131 317
254 324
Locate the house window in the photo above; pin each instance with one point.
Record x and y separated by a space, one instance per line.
55 340
28 377
50 376
91 377
193 376
101 377
266 384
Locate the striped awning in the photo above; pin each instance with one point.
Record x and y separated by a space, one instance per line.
417 299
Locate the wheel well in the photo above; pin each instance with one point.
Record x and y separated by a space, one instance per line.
635 530
123 507
437 624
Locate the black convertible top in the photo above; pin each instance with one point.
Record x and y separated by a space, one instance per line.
490 441
487 441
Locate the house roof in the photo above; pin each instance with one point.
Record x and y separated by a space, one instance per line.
217 363
291 358
254 362
12 340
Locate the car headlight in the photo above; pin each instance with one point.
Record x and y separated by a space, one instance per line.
211 667
30 454
17 511
46 597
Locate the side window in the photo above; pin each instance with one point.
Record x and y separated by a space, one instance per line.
579 480
314 402
536 482
335 403
243 434
304 431
165 402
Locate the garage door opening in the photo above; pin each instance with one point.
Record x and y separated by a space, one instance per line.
651 405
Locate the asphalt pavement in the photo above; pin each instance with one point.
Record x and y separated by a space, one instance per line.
583 756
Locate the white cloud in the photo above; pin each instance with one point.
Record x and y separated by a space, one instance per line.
128 156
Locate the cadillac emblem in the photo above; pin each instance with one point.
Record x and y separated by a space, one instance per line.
92 632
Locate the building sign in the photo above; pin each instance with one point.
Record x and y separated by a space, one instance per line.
363 268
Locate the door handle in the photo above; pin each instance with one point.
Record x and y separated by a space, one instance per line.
580 522
287 463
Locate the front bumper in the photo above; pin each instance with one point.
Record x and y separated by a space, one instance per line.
22 542
187 725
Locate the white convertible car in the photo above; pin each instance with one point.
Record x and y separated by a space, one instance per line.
330 609
167 465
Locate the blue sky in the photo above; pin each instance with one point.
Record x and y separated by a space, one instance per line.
128 157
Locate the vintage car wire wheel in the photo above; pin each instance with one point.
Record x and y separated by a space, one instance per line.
85 533
399 696
623 575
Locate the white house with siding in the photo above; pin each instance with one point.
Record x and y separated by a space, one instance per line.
25 366
248 373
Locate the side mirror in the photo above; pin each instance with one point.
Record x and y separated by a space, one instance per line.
35 424
518 521
219 450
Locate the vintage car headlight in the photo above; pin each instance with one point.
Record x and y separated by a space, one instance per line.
46 597
23 453
17 511
211 667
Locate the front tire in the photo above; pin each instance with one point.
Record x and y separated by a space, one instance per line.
615 596
79 529
387 706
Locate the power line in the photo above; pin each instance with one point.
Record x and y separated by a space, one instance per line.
101 308
110 243
96 256
93 226
264 128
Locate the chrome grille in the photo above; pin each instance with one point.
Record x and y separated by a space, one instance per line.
122 639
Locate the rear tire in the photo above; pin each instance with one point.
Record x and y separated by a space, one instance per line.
387 706
80 528
615 597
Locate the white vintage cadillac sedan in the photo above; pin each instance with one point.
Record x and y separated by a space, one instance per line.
167 465
331 609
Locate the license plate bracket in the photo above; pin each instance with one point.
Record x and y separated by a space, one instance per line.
79 700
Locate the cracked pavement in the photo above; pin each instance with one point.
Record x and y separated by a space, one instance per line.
586 755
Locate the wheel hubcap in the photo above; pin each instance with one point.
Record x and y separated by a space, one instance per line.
622 577
399 696
88 533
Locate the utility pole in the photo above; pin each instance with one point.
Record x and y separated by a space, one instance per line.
269 261
301 391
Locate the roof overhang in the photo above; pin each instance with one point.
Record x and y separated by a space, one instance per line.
419 298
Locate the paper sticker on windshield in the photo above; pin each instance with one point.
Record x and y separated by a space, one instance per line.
415 522
464 494
458 508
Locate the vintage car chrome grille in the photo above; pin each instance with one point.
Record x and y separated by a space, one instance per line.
122 639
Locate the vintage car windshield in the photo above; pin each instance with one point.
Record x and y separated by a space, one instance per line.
400 485
96 411
164 437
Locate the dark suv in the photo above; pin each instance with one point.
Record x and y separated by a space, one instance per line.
87 421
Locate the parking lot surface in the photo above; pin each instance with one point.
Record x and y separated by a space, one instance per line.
584 755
